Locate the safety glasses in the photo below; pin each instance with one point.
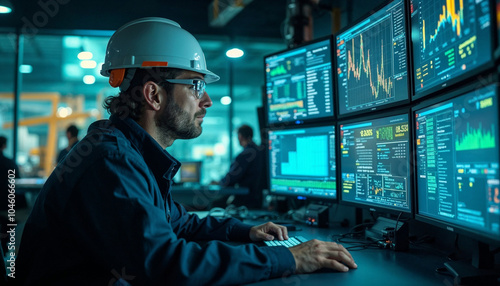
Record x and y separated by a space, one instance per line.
198 85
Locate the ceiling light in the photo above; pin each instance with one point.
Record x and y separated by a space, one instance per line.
25 68
5 7
89 79
85 55
225 100
234 53
88 64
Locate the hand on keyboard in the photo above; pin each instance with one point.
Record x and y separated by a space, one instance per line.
268 231
292 241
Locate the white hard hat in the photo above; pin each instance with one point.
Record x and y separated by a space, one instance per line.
153 42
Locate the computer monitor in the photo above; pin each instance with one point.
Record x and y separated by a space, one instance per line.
298 82
457 164
375 163
302 162
451 41
190 172
372 55
497 17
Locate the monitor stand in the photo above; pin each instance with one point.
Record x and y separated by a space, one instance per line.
481 271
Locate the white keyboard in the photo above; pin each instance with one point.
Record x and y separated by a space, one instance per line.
292 241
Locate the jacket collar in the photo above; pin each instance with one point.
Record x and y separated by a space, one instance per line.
162 164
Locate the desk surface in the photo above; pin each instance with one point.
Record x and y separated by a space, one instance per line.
208 190
375 266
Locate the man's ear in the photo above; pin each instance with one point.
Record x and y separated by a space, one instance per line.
151 92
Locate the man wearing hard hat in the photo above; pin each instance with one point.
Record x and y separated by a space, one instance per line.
106 216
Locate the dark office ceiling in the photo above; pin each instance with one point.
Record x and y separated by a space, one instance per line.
260 18
258 28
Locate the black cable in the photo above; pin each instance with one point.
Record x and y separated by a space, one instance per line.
367 224
397 221
341 238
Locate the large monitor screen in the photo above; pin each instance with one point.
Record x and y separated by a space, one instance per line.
451 39
375 163
302 162
372 68
299 83
458 162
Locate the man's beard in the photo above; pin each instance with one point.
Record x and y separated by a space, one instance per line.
175 123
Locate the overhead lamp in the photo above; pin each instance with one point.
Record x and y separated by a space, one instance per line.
25 68
88 64
235 53
85 55
225 100
89 79
6 7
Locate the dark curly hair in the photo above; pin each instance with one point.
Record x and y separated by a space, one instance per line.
130 103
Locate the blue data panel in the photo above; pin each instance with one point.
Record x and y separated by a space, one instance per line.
299 83
451 38
372 68
375 163
302 162
458 161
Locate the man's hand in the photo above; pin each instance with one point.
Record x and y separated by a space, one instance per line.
315 254
268 231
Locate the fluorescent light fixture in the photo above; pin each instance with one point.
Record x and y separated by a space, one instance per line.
6 7
88 64
225 100
25 68
85 56
235 53
89 79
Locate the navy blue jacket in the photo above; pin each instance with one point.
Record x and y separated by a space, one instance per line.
246 171
106 213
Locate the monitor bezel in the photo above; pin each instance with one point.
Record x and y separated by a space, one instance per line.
307 121
375 207
453 226
409 68
459 80
301 196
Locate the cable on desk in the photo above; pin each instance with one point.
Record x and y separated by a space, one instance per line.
397 221
229 211
443 271
361 225
341 238
232 210
456 254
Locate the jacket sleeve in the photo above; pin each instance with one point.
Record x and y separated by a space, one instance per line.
191 227
126 229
